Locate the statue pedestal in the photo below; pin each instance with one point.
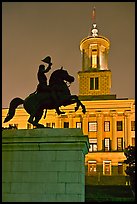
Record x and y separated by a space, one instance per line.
43 165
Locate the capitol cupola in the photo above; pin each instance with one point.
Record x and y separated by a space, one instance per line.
95 77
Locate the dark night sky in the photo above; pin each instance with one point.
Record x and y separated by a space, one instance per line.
33 30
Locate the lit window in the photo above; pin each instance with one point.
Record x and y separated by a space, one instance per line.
79 125
94 61
120 168
133 141
53 125
92 126
120 144
47 124
107 167
107 144
107 126
119 126
132 125
92 167
66 124
93 145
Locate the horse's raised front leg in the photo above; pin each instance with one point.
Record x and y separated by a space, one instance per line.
75 97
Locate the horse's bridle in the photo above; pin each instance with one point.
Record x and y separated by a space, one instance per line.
68 83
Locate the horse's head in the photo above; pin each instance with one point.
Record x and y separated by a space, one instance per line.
61 75
65 76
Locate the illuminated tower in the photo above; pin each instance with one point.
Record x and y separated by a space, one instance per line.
95 77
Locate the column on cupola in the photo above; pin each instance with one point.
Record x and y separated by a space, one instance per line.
106 59
99 130
98 56
90 55
102 58
114 136
86 59
83 60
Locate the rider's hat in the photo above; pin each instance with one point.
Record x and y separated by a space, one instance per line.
47 60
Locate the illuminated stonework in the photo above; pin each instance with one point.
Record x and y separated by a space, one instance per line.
94 65
94 46
104 83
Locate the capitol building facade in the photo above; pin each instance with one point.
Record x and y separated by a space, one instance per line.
109 121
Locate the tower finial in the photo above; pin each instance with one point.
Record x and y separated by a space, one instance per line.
94 30
94 15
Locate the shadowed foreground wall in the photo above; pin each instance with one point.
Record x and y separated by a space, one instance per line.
43 165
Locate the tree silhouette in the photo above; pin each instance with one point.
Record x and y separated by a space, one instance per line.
130 161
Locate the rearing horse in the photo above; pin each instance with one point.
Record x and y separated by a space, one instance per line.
35 104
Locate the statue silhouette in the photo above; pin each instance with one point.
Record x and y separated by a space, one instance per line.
43 87
35 103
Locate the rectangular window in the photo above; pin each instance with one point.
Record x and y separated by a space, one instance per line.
119 126
94 60
47 124
120 144
93 145
94 83
92 126
120 168
133 141
107 167
53 125
107 144
16 126
91 83
66 124
92 169
79 125
107 126
28 126
132 125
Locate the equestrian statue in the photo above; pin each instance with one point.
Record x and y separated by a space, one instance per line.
51 96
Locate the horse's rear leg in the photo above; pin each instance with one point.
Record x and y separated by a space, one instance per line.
37 118
30 120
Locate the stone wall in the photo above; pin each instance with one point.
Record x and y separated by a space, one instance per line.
43 165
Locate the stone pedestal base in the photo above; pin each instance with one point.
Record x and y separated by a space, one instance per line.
43 165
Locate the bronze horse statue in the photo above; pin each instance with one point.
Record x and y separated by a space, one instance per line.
35 103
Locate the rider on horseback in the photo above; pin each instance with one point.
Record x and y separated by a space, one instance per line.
35 103
43 87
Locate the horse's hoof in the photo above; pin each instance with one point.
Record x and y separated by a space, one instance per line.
61 112
84 110
40 126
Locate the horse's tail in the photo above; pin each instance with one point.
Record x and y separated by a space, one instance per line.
13 105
